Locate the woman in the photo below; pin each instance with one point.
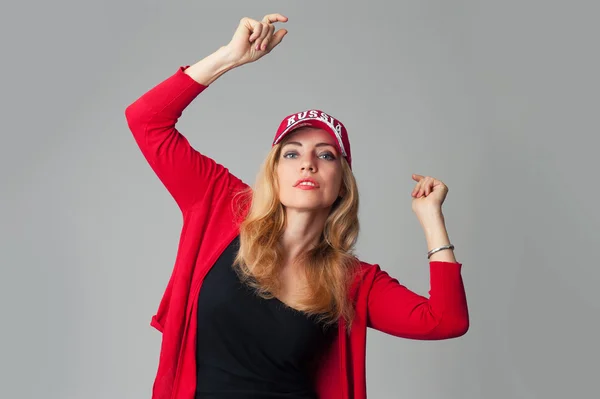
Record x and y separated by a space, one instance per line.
266 299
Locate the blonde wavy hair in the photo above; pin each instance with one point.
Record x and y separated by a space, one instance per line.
330 266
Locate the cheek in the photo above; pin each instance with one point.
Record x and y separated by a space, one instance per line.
335 183
336 175
284 182
283 176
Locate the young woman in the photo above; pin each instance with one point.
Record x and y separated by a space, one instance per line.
266 299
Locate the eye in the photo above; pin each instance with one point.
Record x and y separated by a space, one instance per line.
289 154
328 156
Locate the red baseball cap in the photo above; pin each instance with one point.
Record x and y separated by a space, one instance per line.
317 119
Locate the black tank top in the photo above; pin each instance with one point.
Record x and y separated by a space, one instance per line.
249 347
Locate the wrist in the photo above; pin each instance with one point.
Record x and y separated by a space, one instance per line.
225 58
210 68
434 227
436 235
432 218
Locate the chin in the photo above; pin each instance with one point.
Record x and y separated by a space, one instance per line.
301 201
306 205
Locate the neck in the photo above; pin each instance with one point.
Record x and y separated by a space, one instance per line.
302 231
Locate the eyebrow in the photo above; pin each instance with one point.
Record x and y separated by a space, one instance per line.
318 145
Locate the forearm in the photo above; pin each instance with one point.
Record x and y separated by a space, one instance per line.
436 234
210 68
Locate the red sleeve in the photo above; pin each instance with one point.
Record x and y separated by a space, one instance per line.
394 309
186 173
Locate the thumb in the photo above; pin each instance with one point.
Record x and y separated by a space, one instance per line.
277 38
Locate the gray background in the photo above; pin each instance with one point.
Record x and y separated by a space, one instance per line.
498 99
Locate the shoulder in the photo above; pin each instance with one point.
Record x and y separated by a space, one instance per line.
368 268
364 275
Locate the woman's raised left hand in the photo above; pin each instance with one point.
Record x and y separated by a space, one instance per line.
428 195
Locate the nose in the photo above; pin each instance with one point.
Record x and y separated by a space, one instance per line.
308 164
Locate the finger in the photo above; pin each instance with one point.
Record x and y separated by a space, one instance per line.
256 31
427 186
435 183
275 18
267 39
423 187
245 27
417 177
276 39
424 184
416 190
263 34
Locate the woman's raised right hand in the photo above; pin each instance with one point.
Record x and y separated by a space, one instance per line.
254 39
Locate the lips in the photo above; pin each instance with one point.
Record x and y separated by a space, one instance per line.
306 183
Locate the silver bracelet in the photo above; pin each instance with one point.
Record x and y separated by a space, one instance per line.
449 246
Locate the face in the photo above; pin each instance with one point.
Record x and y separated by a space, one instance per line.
309 154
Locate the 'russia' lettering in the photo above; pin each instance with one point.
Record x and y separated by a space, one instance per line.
313 114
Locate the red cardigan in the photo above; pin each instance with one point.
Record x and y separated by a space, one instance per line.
203 190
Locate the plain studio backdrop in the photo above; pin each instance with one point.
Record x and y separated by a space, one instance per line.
498 99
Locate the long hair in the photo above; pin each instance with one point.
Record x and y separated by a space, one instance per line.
330 266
